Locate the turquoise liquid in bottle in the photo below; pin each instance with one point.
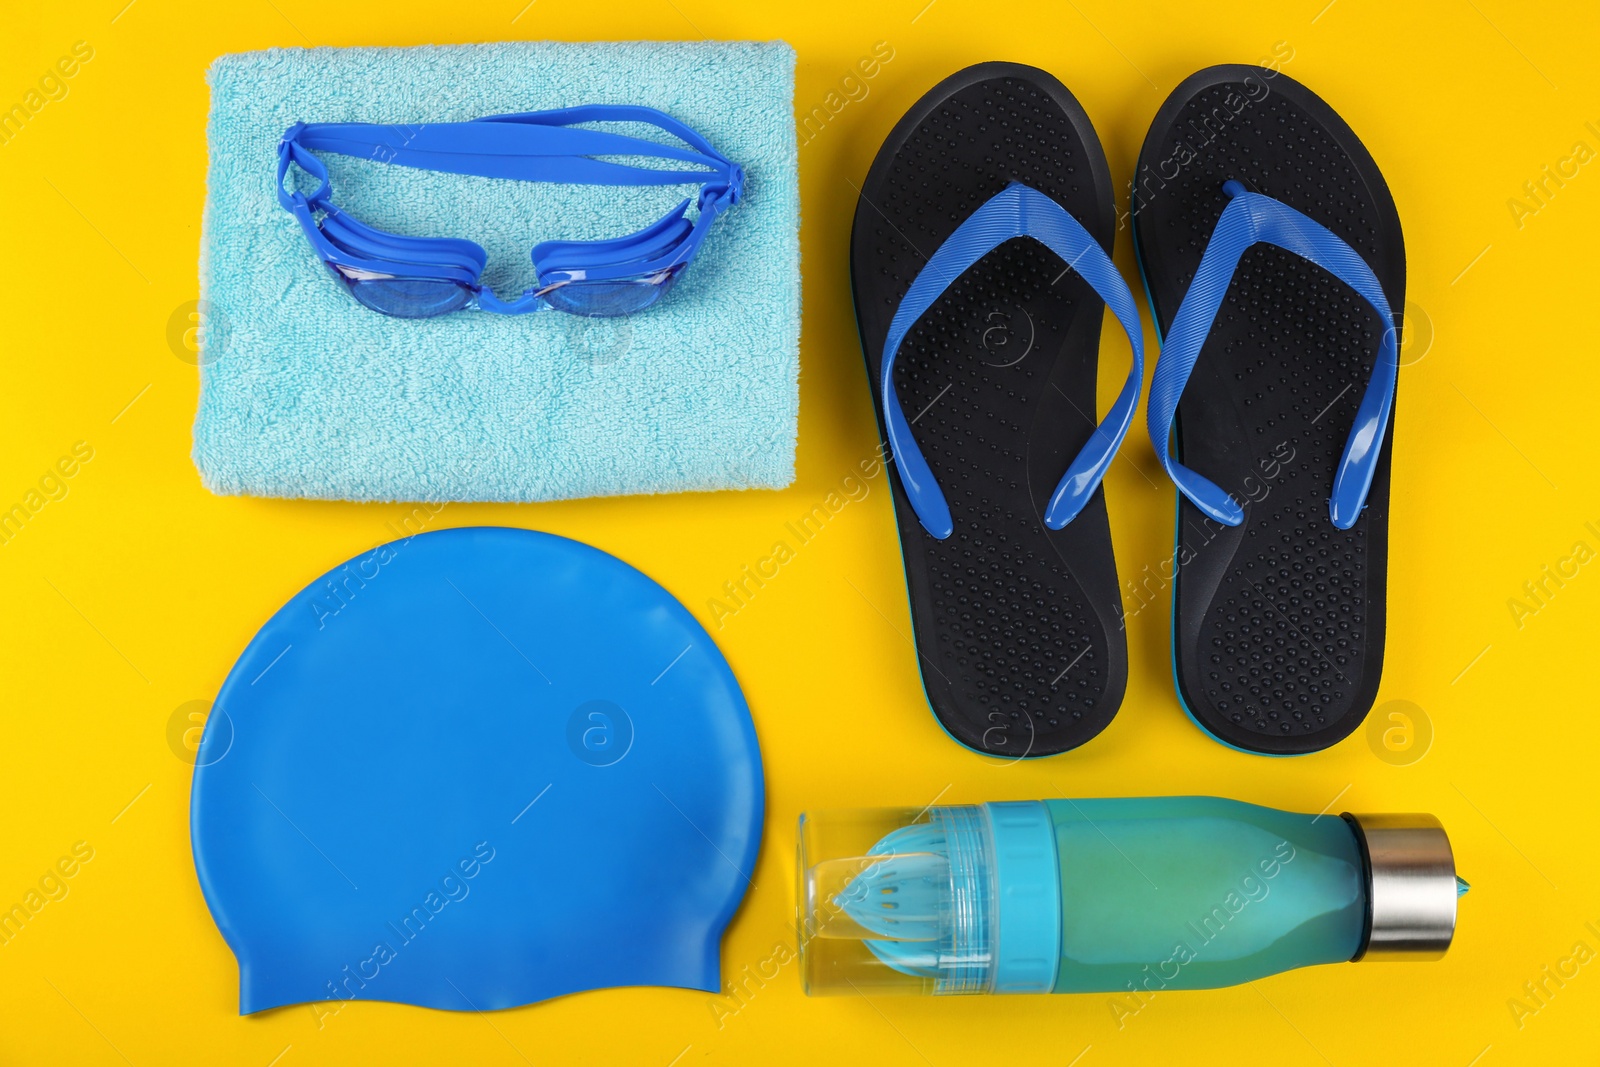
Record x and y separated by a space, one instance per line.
1199 892
1131 895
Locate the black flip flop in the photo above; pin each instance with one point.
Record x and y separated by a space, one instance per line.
992 347
1272 254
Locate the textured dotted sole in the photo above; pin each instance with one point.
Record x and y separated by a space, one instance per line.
1278 628
1017 627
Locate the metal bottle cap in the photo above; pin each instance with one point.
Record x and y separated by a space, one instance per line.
1411 887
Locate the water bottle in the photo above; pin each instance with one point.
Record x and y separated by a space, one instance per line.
1133 895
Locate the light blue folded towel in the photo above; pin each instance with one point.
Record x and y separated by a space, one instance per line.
305 393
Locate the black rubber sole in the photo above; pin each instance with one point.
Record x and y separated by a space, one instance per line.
1018 628
1278 623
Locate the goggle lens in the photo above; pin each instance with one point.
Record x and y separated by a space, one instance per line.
422 298
607 298
408 298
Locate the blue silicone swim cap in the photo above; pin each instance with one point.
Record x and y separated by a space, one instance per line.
474 769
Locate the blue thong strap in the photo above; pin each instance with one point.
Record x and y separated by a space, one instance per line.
1251 219
1016 211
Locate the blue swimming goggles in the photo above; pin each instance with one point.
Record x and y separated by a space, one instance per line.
418 277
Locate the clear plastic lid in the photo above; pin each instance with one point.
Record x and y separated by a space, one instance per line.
896 900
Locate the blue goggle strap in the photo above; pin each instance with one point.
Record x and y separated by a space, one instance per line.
531 146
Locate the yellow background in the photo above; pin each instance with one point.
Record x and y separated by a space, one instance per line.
132 595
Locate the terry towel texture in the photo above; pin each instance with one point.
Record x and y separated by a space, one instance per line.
305 393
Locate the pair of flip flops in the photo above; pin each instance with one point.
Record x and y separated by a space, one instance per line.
1274 265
